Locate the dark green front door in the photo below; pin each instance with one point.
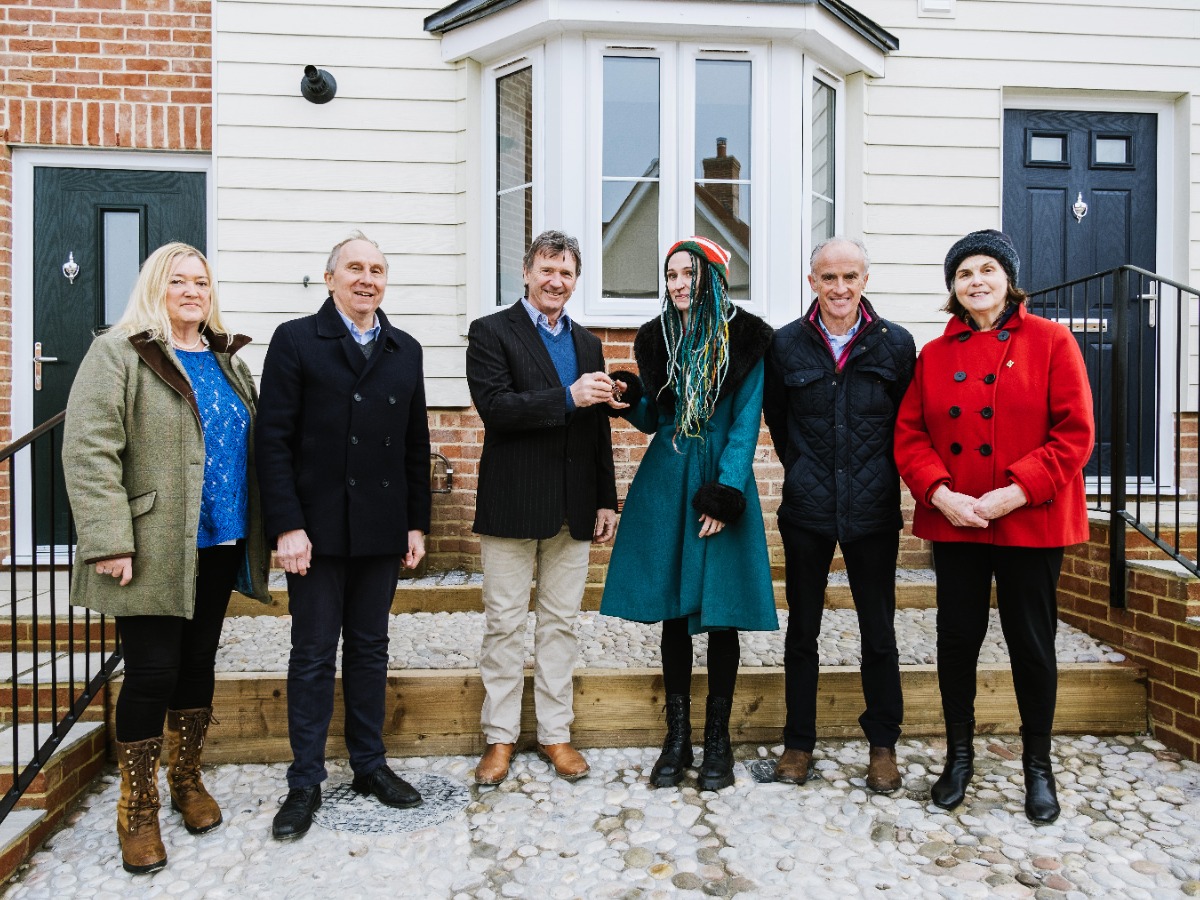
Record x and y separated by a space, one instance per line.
92 229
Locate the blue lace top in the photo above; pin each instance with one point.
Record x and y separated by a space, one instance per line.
226 425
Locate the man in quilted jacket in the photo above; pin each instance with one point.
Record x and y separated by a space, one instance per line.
834 381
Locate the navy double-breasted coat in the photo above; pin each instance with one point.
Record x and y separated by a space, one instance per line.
343 439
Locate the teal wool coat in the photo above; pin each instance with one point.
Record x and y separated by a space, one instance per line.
660 567
133 456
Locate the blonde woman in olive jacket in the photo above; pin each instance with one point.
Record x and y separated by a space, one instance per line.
158 460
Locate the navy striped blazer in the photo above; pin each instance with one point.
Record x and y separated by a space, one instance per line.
541 466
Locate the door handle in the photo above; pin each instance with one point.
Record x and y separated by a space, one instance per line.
38 360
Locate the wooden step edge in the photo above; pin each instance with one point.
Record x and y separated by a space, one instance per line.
436 712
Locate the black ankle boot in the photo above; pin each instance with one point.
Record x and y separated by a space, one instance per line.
951 786
676 753
716 771
1041 800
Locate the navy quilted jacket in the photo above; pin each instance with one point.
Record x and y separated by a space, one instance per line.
832 427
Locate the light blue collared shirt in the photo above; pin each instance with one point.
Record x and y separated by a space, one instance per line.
360 337
839 341
541 319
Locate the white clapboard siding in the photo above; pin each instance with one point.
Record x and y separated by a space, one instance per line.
392 237
908 190
271 267
342 206
290 299
939 162
347 145
396 177
270 79
415 50
346 113
346 19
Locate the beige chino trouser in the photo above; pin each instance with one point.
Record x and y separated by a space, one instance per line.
508 569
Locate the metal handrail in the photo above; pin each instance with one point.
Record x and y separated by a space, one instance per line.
1119 302
44 638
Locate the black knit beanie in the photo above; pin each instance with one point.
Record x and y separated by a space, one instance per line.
988 242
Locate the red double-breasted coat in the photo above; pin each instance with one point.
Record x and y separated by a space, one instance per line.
988 409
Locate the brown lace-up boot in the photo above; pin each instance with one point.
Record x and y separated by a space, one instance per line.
185 739
142 848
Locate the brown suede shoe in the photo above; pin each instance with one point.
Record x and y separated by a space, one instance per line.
882 775
793 767
493 767
567 761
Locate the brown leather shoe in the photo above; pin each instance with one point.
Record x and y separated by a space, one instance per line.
793 766
493 767
882 775
567 761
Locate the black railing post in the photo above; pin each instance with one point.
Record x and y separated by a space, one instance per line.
1120 431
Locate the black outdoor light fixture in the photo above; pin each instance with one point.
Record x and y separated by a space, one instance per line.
317 85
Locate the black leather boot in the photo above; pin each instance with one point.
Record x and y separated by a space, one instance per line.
1041 800
716 771
951 786
676 753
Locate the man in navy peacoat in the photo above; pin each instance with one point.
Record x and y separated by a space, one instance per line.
343 454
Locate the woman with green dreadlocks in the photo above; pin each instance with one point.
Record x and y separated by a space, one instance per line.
691 551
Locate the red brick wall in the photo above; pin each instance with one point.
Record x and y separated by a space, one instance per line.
1159 629
128 74
459 435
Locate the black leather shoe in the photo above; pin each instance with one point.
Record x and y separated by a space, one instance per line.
390 788
295 816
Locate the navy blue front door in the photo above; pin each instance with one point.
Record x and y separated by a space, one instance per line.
1080 197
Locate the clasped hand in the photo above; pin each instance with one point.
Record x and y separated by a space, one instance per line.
965 511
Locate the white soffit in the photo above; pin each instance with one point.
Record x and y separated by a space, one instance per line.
509 30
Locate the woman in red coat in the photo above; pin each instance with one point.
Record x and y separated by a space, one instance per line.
991 439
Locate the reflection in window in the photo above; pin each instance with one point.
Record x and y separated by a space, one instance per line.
822 162
723 176
514 181
122 257
630 177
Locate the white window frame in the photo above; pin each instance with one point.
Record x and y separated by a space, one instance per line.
489 245
815 72
677 161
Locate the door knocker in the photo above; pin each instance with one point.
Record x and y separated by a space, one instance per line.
70 268
1079 208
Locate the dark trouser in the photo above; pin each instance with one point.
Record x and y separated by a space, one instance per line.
871 565
350 596
724 655
1026 595
169 659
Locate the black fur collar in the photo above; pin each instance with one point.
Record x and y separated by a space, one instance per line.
749 338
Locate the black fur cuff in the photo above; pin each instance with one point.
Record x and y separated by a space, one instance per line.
720 501
632 393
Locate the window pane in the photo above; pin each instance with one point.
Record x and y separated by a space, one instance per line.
122 257
630 236
823 161
722 115
514 232
1112 151
514 180
631 116
723 214
629 193
1047 148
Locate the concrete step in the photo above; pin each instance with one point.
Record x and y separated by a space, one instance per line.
55 788
45 685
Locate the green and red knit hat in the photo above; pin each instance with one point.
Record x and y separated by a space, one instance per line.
709 250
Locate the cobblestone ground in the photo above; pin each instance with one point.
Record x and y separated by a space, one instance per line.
1130 828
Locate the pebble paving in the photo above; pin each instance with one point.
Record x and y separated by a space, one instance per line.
1130 828
451 641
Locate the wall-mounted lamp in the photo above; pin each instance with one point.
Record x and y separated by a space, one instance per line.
317 85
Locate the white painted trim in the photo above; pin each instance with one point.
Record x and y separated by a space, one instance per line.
24 161
1170 368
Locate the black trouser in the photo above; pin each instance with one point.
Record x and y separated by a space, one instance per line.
169 659
350 596
724 655
1026 595
871 565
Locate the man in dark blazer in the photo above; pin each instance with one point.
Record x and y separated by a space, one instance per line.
342 449
546 491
